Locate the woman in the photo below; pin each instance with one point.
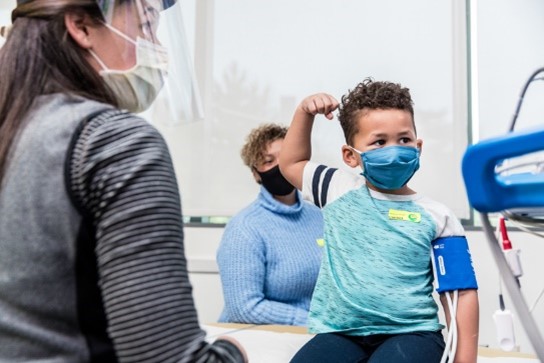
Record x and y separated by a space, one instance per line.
269 255
92 267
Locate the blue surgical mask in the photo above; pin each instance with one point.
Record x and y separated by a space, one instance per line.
390 167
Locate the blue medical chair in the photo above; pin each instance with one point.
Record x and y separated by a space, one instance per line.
517 196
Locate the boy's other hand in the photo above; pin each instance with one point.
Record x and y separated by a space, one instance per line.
320 103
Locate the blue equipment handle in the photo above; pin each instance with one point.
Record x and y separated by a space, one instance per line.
488 192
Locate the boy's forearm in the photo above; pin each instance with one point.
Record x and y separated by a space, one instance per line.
297 147
467 326
468 316
298 138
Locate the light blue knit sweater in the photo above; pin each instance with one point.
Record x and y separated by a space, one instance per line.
269 261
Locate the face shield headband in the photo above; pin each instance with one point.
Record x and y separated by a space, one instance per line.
107 6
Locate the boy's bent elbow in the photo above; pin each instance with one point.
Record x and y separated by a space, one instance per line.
293 172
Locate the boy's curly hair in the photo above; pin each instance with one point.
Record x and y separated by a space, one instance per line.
371 95
258 140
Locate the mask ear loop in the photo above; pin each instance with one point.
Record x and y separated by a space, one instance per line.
354 149
360 153
95 56
120 33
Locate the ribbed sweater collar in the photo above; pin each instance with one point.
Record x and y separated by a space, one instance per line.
268 202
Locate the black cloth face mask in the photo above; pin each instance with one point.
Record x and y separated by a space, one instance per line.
274 182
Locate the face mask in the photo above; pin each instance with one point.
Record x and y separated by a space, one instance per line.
136 88
390 167
274 182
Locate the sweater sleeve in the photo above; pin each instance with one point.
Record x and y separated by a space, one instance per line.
123 178
242 266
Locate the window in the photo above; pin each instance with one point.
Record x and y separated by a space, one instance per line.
256 60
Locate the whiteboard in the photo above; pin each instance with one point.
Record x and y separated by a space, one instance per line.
256 60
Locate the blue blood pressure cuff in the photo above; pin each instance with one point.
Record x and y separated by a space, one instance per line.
452 264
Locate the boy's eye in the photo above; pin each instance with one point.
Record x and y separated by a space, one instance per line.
405 140
379 142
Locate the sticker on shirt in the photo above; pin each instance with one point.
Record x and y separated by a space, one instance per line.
403 215
320 242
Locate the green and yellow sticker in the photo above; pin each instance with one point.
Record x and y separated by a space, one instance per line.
404 215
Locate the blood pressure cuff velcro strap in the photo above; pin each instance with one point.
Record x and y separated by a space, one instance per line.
453 264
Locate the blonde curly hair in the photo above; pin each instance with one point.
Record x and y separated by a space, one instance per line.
258 140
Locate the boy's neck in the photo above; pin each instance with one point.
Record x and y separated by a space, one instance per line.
405 190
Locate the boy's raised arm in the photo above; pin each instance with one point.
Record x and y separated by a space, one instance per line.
296 150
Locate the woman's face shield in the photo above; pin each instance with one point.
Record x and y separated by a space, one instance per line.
159 22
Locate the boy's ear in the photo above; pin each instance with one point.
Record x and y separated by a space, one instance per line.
419 144
350 156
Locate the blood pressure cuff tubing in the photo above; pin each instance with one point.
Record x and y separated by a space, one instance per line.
453 264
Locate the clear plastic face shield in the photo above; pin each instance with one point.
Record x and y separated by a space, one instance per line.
153 38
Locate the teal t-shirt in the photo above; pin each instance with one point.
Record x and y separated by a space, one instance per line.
376 275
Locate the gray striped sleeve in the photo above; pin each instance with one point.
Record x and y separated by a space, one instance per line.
123 179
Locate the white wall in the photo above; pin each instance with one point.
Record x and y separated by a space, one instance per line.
200 247
201 244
